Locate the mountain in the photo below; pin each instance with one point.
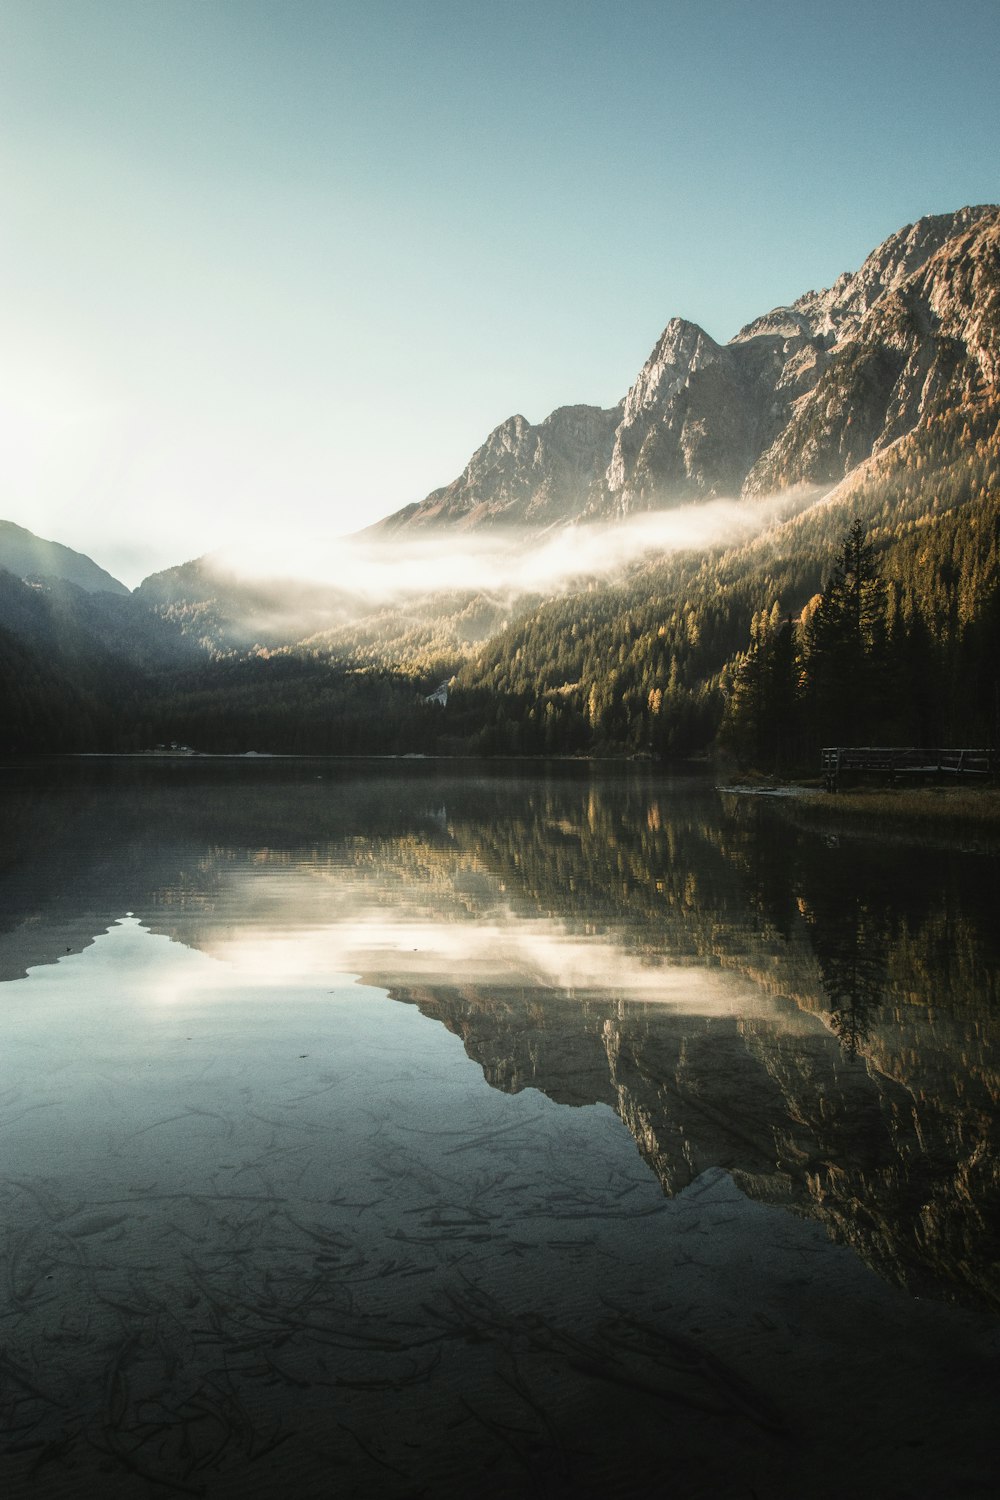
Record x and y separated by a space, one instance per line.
871 408
29 556
523 475
74 625
75 662
804 393
929 342
219 610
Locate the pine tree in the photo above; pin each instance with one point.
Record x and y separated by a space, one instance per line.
761 724
845 665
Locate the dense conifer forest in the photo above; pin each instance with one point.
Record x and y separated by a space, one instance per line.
876 619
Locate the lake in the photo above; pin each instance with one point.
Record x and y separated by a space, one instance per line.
398 1129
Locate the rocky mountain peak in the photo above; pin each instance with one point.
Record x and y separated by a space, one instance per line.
780 322
681 349
803 393
505 438
524 474
837 312
929 339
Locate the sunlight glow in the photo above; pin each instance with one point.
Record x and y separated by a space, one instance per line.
398 950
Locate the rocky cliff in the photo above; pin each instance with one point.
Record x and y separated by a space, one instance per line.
804 393
524 474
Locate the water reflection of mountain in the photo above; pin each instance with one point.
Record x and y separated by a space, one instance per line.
860 1086
884 1124
83 841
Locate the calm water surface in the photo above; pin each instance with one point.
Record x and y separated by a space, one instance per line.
396 1131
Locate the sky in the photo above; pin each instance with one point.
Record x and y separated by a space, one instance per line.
272 269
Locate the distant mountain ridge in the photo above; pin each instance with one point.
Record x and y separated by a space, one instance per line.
804 393
29 556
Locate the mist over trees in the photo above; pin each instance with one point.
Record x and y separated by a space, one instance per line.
874 620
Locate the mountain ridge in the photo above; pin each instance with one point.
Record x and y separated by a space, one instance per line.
805 392
525 473
33 557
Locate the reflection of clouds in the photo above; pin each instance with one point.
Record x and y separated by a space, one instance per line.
399 949
400 917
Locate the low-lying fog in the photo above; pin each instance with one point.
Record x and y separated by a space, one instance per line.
378 572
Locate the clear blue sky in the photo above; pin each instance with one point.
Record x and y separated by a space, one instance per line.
277 266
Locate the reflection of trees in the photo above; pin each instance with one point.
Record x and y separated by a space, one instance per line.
901 954
658 864
858 904
851 938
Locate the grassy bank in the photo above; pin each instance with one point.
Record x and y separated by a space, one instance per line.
963 815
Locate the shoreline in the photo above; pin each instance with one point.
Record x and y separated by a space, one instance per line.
964 818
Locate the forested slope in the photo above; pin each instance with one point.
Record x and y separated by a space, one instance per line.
651 664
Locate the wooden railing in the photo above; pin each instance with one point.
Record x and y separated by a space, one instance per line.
897 761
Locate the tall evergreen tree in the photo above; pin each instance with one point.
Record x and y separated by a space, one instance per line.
845 656
761 724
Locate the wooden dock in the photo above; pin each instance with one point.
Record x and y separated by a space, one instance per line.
894 763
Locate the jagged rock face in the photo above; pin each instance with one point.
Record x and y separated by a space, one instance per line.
699 413
810 391
838 312
803 394
931 341
525 474
686 424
